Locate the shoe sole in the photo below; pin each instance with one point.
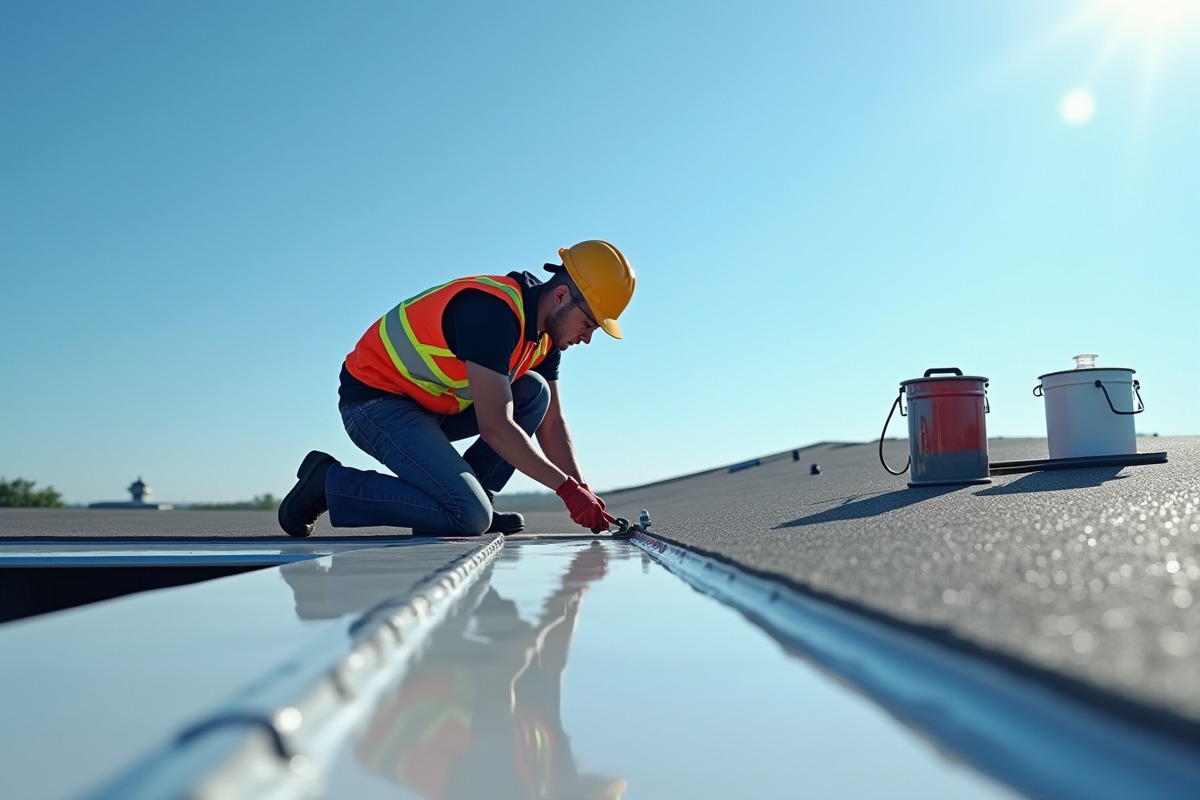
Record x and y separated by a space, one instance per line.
311 461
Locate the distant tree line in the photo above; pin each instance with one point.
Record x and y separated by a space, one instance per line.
265 502
19 493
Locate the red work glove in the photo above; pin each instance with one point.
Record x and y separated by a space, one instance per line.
584 485
586 509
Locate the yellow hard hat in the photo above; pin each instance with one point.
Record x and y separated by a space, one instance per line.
604 277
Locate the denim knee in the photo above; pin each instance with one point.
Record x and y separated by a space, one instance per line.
531 400
474 516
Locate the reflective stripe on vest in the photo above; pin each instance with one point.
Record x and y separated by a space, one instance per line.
415 361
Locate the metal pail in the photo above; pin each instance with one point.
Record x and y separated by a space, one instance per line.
1090 410
947 432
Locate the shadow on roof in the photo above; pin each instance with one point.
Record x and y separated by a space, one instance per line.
1056 481
871 506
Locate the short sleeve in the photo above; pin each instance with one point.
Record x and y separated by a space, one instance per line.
482 328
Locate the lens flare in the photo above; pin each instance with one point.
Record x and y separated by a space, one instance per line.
1077 107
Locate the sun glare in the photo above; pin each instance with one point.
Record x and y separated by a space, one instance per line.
1152 20
1145 35
1151 26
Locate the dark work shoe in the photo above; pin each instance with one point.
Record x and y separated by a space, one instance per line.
502 522
506 522
305 503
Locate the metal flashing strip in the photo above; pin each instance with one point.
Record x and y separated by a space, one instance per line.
1025 734
259 747
1078 462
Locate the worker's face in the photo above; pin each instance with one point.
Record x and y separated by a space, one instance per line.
571 322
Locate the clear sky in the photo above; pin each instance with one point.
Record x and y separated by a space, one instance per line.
203 205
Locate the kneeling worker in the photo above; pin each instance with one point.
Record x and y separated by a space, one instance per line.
477 355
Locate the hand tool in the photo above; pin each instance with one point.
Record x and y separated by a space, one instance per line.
626 529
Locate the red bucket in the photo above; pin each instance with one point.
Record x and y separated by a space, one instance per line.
947 432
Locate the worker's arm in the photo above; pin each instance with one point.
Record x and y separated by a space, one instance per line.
492 396
555 438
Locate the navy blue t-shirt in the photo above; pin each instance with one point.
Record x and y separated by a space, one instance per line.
478 327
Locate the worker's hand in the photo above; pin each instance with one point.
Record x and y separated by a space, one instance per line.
586 509
584 485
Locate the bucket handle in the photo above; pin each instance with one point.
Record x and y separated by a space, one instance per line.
896 405
1141 406
1038 391
987 407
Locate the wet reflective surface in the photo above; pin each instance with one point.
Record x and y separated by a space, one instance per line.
87 693
584 670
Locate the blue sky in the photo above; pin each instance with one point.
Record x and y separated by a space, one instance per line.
204 205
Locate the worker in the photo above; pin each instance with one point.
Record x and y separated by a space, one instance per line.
475 356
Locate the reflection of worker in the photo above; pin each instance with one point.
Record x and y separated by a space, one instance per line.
480 715
477 355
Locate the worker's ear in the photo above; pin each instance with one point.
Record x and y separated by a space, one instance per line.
562 294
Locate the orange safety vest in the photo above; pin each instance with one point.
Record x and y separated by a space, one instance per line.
406 352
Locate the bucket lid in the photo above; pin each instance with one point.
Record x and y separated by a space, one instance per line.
1086 362
948 374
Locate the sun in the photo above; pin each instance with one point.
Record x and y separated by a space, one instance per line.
1150 25
1152 21
1153 26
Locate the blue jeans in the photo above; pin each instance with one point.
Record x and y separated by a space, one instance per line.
434 488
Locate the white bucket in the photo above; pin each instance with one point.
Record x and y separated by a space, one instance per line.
1090 410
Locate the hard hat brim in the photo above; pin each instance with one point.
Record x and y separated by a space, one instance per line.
610 325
